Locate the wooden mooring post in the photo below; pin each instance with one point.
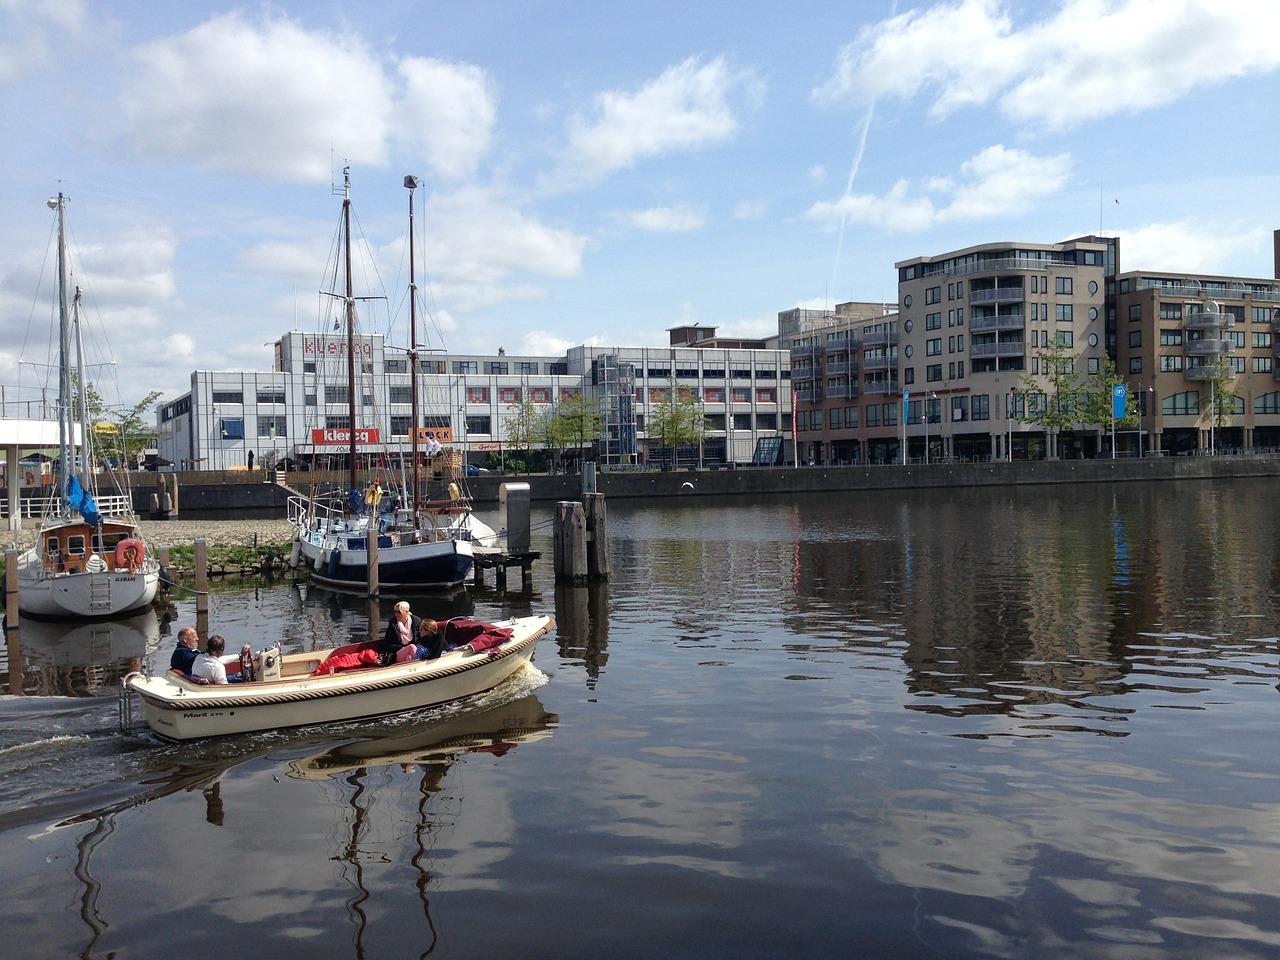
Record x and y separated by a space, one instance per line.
582 539
10 589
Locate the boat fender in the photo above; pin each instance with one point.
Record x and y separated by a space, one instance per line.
295 554
95 564
130 554
333 565
454 492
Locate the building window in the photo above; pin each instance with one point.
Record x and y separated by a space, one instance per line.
959 409
933 372
1135 312
228 396
741 394
1267 403
980 406
851 418
1261 364
337 422
1170 363
1135 338
400 426
933 295
465 366
1066 339
508 394
714 394
933 321
334 394
741 374
1062 285
909 375
1170 338
497 368
1181 404
477 394
395 366
272 426
477 425
1063 312
231 428
399 395
766 395
769 421
527 367
933 348
540 394
1135 364
742 421
1261 314
1260 339
873 415
889 414
308 399
270 396
1170 311
1095 365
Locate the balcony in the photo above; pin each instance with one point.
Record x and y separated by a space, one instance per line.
1003 321
880 388
1204 372
873 364
997 295
880 338
841 341
806 349
842 391
1016 348
808 396
1209 348
842 366
1208 320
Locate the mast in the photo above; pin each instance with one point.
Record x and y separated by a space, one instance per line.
351 324
412 183
64 358
82 395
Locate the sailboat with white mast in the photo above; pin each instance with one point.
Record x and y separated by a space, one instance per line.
413 545
89 559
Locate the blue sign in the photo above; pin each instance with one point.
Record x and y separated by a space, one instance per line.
1119 401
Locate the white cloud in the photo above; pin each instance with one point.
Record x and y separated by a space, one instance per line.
449 110
30 30
996 182
676 219
1191 246
269 99
749 210
684 109
1093 58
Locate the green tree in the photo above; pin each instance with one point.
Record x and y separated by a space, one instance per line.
1052 400
521 425
576 423
676 421
1220 400
119 433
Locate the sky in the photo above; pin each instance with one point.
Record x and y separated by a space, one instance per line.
596 173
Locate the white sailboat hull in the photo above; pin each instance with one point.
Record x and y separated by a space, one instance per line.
107 593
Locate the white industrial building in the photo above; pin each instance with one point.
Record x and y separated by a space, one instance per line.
300 409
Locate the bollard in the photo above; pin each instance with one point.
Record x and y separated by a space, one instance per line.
570 541
10 589
202 577
597 536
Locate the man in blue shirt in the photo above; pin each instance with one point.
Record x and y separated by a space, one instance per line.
184 655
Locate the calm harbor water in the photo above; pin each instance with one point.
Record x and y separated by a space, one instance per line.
972 723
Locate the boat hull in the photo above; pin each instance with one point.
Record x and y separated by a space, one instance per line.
106 593
179 710
438 565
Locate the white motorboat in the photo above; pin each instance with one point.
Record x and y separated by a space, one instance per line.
289 692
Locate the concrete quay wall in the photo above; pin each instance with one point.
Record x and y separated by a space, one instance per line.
214 496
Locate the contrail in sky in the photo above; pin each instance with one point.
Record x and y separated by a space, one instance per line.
853 172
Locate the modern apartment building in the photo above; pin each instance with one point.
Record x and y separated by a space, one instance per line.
1191 344
950 374
300 409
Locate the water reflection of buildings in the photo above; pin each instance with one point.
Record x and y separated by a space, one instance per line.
1026 601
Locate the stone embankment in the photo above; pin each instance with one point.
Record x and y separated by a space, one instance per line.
183 533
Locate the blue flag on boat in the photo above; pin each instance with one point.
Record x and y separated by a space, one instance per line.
80 499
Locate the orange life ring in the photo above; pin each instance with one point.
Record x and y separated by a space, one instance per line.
130 553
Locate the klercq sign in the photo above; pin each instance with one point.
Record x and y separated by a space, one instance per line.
341 435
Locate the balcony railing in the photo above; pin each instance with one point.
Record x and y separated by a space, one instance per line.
872 364
1201 372
1211 348
880 338
998 295
841 366
843 390
951 269
805 349
1003 321
808 396
1015 349
880 388
1205 320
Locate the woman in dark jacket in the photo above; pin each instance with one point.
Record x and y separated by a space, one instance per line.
402 632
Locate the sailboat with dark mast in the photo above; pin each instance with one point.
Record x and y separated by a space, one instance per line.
354 542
